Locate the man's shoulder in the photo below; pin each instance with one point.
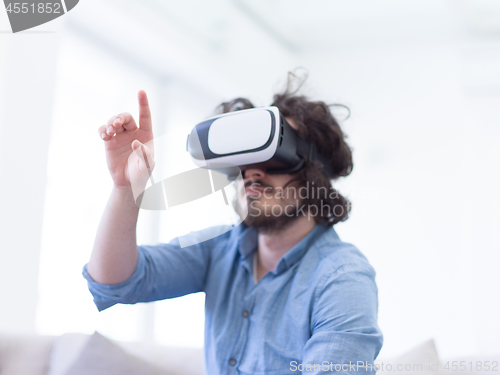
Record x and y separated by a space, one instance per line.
334 256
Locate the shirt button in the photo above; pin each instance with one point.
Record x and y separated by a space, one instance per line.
232 361
245 313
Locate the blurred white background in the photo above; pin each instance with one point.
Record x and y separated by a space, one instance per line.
421 78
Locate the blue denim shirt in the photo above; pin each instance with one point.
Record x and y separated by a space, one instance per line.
316 313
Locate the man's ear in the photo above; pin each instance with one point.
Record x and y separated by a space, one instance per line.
292 122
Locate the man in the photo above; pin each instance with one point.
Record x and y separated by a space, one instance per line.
283 293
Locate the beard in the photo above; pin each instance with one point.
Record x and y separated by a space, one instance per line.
270 222
271 216
266 216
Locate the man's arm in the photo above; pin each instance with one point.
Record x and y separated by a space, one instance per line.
344 323
114 257
119 271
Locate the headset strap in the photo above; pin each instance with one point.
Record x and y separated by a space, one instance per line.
310 152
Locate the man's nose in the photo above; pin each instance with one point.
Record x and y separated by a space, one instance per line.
254 173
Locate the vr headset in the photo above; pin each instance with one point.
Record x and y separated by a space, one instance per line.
257 137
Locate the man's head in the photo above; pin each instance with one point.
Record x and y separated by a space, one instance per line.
276 200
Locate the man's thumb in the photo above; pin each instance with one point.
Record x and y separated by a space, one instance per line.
136 144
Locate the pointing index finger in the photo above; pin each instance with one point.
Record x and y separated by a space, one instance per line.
144 112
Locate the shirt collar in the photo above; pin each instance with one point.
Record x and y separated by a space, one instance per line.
248 240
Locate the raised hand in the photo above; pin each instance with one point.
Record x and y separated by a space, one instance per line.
122 136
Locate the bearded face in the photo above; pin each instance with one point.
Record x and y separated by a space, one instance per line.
271 205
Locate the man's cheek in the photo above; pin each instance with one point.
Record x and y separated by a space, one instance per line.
279 193
268 192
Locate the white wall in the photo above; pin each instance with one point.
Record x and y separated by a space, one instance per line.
28 66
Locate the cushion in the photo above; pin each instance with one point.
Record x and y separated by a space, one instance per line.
24 354
421 360
100 356
65 351
173 360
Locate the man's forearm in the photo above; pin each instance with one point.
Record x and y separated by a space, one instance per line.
114 256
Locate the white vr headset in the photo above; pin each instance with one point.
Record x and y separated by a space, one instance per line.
259 137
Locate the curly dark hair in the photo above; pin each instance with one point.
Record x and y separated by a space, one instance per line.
317 125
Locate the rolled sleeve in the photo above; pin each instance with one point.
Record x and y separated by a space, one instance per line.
344 323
